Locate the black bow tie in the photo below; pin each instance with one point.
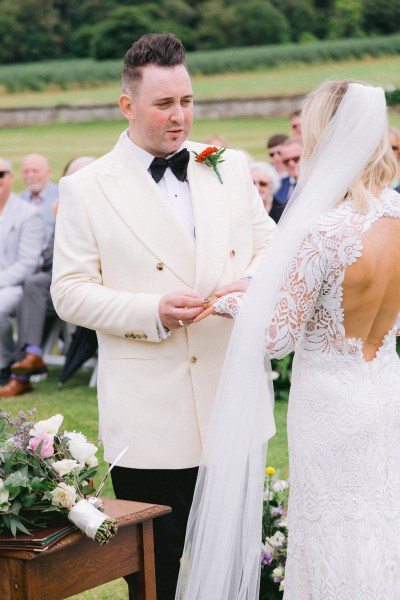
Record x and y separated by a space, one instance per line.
177 163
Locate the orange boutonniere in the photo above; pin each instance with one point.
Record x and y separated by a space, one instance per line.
211 157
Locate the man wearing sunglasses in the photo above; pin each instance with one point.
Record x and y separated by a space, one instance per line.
291 153
21 241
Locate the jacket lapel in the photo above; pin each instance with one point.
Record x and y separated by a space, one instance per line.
141 205
211 216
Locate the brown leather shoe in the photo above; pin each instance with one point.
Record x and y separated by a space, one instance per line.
31 364
15 387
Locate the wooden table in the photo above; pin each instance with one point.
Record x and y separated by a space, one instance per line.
76 563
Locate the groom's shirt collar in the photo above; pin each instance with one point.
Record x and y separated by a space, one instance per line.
142 155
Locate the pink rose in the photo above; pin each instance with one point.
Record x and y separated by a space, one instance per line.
47 448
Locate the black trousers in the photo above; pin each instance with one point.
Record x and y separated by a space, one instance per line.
171 487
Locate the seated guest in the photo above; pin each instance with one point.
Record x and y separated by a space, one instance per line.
291 153
34 307
295 125
266 180
274 144
21 242
71 167
40 191
394 139
216 140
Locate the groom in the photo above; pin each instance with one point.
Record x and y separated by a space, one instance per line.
141 244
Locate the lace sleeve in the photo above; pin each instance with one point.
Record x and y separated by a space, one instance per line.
229 304
297 298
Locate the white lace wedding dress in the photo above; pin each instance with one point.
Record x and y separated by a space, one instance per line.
343 424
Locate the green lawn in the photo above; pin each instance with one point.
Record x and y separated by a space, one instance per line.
61 142
77 402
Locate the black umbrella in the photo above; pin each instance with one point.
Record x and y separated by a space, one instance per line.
82 347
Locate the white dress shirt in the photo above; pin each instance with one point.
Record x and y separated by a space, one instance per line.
176 193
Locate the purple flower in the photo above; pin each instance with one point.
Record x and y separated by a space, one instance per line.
266 558
276 510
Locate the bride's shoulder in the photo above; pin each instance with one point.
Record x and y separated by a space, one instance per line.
335 218
390 203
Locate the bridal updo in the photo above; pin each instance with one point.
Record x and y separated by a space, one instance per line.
318 109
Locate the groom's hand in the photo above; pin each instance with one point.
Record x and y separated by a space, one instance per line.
179 306
240 285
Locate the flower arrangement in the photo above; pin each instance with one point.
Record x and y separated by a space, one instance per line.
45 476
274 535
211 157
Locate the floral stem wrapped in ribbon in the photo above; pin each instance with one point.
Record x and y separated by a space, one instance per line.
211 157
45 475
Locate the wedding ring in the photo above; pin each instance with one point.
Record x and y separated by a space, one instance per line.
181 323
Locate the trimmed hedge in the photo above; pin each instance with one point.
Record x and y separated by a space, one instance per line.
88 72
260 57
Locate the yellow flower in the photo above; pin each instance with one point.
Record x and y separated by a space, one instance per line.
270 471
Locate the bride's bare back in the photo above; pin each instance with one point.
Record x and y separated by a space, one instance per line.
371 287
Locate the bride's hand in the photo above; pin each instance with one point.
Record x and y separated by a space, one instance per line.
226 306
209 309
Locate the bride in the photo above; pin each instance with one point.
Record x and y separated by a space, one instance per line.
328 288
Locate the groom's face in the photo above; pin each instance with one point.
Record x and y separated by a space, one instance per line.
162 109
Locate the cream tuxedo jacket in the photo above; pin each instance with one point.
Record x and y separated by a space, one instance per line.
119 248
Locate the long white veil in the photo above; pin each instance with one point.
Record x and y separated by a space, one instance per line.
221 559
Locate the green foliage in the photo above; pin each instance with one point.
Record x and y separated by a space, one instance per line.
283 367
113 36
224 24
381 16
106 28
301 16
393 98
347 19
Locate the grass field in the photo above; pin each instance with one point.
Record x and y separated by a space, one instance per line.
61 142
78 403
287 80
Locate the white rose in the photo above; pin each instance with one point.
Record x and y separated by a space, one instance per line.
278 572
76 436
49 427
267 547
280 485
82 452
3 494
64 496
282 585
65 466
92 460
276 540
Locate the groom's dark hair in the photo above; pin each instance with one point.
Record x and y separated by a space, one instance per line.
160 49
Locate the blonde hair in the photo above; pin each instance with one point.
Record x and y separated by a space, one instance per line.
318 109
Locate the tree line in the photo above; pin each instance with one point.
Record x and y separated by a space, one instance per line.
33 30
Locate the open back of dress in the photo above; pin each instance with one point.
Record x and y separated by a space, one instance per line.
339 311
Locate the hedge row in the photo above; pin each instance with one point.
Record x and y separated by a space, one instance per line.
258 57
87 72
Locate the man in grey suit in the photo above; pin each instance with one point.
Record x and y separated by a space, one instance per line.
40 190
21 242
